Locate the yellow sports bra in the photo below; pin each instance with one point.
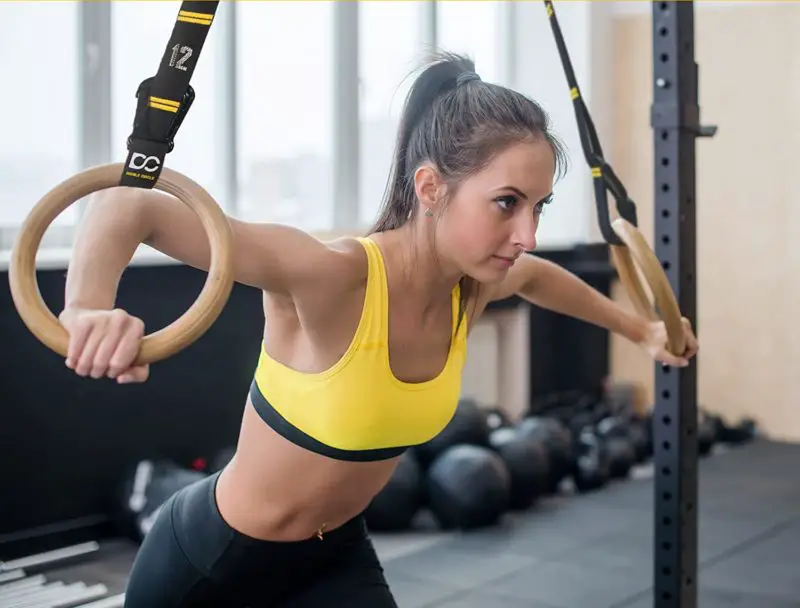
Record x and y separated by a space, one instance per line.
357 409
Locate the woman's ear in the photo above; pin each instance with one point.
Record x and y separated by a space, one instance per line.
429 187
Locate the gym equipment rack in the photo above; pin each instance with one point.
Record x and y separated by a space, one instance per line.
675 119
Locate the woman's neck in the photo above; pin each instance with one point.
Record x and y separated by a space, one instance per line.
423 273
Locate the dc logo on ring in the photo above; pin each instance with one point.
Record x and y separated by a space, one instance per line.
142 161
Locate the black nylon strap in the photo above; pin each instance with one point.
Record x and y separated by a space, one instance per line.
164 99
603 176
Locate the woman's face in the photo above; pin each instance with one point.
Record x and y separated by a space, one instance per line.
493 216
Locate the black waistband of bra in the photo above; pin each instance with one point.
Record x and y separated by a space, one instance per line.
282 426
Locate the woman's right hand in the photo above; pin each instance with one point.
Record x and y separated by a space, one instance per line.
104 343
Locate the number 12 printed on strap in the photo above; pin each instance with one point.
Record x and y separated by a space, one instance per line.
164 99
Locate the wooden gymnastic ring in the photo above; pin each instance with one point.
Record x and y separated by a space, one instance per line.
636 248
163 343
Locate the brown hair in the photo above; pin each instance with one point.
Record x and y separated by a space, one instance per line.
458 123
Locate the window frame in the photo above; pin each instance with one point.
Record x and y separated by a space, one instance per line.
95 48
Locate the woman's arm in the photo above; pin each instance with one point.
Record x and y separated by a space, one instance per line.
275 258
552 287
549 286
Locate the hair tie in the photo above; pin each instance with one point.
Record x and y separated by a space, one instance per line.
465 77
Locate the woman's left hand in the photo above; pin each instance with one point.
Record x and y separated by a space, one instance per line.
656 345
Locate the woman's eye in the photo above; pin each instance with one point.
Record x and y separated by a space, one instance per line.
539 208
506 202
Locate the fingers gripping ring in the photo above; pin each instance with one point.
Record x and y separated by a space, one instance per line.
636 248
163 343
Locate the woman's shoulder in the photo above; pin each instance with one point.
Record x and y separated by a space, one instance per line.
352 259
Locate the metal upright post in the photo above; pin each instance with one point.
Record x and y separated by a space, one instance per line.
95 85
675 119
227 129
346 116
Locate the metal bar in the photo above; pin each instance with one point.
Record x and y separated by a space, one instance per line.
428 30
49 557
35 590
49 592
114 601
346 119
25 585
94 64
228 92
675 122
506 31
11 576
70 595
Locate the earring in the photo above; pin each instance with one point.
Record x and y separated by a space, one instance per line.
428 213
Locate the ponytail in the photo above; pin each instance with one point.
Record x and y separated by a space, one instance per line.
445 73
399 199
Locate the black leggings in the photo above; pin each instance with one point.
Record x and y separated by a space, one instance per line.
192 558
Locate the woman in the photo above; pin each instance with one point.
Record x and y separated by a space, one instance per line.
349 320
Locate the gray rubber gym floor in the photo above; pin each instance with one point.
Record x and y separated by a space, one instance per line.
594 551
